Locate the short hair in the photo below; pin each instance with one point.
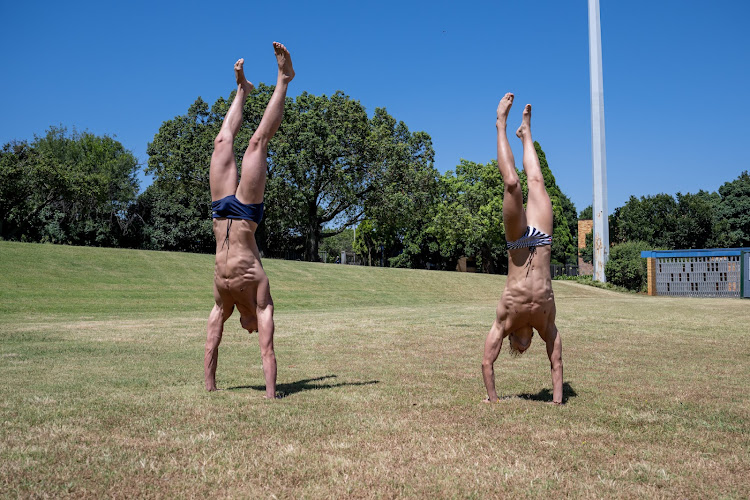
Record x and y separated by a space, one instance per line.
514 351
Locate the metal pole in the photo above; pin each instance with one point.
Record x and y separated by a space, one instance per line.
599 160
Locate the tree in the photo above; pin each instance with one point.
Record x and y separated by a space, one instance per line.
73 188
401 206
732 228
468 217
332 166
329 166
685 221
587 252
176 207
650 219
587 213
565 225
467 220
625 266
18 165
694 220
333 246
366 241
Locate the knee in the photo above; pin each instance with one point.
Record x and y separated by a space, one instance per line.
223 139
512 185
535 182
258 142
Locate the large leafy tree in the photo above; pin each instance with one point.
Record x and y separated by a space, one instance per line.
694 220
401 205
649 218
664 221
20 174
332 166
732 228
326 164
175 208
468 220
67 187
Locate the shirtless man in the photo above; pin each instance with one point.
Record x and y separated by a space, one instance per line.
237 209
527 301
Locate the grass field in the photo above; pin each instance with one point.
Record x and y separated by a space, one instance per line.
101 362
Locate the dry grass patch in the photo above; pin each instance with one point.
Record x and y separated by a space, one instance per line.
383 395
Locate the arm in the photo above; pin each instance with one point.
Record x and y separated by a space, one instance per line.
491 350
554 352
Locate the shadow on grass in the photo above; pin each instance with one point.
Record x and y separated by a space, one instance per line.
546 395
304 385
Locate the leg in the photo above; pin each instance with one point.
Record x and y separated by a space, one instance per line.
538 207
222 174
554 352
219 314
265 326
253 180
492 347
514 217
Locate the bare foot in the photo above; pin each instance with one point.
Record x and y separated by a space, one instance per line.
487 400
286 72
239 74
504 108
525 127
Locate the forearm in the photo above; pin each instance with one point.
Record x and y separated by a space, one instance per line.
488 374
554 351
557 382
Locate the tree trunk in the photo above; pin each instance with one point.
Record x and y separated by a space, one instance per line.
312 242
488 265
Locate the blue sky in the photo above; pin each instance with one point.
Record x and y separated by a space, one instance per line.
676 75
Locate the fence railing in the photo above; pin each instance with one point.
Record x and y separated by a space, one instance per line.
566 270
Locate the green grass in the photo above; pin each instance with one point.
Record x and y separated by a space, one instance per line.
101 360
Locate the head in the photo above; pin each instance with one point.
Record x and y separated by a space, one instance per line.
520 340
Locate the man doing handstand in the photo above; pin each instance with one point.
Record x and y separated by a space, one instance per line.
527 301
237 209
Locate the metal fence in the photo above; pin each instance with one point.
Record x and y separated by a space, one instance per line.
699 276
698 273
566 270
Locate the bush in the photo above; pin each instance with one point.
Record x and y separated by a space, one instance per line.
625 266
587 252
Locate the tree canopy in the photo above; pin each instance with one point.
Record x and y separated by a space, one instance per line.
67 187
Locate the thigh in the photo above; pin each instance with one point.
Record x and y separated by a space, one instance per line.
514 217
539 208
264 311
253 180
222 174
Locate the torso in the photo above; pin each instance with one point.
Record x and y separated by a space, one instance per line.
528 298
237 259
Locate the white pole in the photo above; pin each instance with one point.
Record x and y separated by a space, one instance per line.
599 160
